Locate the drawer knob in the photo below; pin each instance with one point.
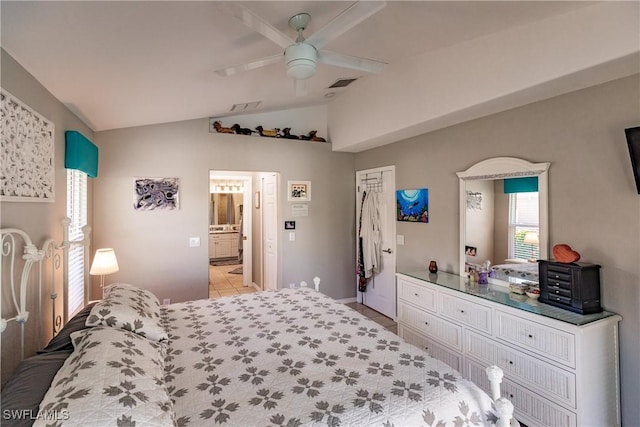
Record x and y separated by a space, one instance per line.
557 291
510 362
511 396
557 277
530 336
415 294
426 323
462 311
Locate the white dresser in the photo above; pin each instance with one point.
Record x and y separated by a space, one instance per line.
561 368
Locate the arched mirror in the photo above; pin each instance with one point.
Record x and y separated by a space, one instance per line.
504 216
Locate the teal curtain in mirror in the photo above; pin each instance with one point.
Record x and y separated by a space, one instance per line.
527 184
80 153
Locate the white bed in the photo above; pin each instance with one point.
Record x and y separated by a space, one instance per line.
289 357
524 271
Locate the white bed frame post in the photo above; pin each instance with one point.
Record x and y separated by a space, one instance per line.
504 407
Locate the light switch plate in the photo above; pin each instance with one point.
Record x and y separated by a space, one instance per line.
292 236
399 239
194 242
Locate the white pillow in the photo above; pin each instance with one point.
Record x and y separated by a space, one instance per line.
113 377
130 308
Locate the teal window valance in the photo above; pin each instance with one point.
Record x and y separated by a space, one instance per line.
80 153
527 184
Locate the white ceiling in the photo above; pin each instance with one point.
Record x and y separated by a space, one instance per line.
122 64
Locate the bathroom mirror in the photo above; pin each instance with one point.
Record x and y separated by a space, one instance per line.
225 208
500 200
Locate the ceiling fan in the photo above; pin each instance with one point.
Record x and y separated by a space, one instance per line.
302 55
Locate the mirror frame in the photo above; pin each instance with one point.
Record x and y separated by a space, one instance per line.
507 167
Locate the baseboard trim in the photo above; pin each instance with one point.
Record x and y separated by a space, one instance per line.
346 300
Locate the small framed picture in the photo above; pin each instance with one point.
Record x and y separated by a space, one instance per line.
289 225
470 250
298 191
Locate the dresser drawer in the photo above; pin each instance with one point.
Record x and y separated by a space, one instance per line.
436 351
550 343
431 326
553 383
420 296
530 408
555 270
559 291
471 314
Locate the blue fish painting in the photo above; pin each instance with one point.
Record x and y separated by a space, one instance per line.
412 205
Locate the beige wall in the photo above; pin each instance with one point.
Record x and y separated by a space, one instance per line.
39 220
152 246
593 205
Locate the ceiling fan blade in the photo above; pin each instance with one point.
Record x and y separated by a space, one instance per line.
353 62
256 23
300 87
352 16
229 71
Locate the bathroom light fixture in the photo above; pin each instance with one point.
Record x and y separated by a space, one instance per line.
104 262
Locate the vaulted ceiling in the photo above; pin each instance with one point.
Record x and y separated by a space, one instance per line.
122 64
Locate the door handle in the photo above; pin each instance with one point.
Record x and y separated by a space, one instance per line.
387 250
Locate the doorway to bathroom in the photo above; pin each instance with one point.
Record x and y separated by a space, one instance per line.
239 223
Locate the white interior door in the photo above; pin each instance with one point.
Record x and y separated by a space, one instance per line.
247 233
270 231
380 292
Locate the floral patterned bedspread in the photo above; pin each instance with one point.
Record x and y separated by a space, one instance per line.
296 357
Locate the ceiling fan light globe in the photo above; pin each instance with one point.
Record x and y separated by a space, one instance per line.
301 69
301 60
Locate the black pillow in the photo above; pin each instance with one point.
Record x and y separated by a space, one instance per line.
62 341
22 394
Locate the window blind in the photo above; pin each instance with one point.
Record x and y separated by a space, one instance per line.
77 213
523 218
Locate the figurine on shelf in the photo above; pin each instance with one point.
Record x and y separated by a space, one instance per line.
312 137
241 131
221 129
272 133
286 133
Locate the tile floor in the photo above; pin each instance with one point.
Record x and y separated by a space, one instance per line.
221 283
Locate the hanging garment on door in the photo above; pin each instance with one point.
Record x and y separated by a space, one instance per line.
370 234
362 280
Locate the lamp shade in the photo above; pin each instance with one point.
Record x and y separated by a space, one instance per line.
531 237
104 262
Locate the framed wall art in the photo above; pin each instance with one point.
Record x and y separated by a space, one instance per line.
156 194
298 191
413 205
27 168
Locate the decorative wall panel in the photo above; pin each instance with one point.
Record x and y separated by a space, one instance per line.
27 150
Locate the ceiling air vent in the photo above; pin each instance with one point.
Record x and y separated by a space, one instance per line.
246 106
342 83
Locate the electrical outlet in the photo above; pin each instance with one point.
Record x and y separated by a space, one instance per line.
166 301
194 242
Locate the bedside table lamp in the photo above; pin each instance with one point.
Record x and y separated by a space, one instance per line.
531 237
104 262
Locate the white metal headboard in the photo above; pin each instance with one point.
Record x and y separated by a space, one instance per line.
21 256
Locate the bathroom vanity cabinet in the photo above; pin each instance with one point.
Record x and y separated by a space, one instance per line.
223 244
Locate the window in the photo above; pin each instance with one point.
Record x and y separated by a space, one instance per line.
523 218
77 212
